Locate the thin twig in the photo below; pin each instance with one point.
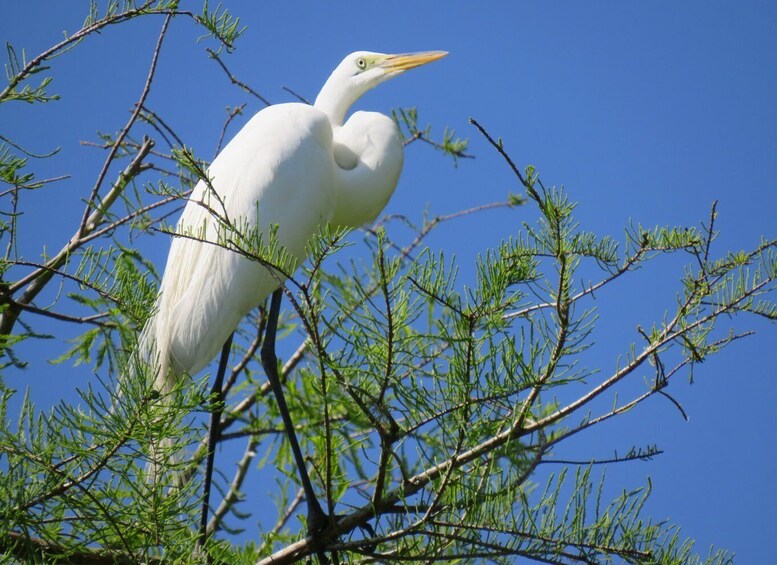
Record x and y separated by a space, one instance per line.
37 61
85 220
297 96
500 148
234 80
236 111
37 280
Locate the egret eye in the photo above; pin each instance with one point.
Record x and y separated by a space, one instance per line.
361 63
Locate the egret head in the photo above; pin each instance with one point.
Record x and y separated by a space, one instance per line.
361 71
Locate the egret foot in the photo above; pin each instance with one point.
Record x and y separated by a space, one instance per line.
318 520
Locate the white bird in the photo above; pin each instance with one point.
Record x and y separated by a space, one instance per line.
292 165
293 168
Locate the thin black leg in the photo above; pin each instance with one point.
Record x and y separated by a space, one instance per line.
317 519
213 437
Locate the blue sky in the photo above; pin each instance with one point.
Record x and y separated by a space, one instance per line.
644 112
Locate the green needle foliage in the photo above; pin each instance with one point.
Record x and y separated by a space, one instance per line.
427 407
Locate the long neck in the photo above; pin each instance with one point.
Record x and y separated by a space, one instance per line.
334 101
338 94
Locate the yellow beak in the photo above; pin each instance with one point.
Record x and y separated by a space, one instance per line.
405 61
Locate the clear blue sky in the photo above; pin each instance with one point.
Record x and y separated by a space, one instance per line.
645 112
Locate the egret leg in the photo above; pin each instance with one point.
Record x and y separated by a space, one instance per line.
213 437
317 519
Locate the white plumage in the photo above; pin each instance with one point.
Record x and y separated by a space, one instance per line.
294 166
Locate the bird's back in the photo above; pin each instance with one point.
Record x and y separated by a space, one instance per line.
277 170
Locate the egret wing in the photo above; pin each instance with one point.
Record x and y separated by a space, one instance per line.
277 170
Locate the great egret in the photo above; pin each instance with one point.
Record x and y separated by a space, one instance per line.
293 166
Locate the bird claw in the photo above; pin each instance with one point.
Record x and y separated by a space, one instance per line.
318 520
